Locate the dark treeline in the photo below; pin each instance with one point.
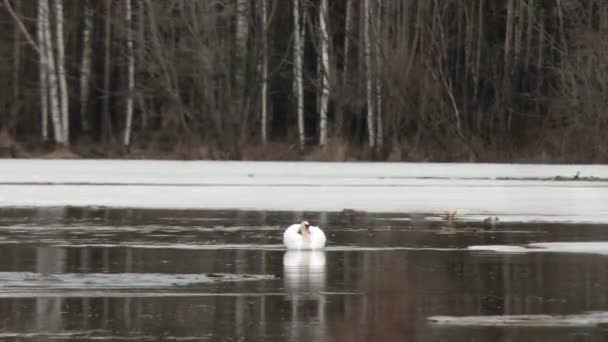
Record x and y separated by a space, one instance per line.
392 79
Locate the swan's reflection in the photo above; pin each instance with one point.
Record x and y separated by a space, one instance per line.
304 273
304 281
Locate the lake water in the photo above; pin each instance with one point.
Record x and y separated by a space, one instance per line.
71 273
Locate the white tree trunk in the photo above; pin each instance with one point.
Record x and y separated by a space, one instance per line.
130 74
242 25
297 66
63 85
107 72
51 74
43 72
264 73
368 73
378 59
85 66
325 88
241 37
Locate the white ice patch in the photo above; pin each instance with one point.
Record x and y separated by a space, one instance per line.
504 190
587 319
191 172
498 249
600 248
572 247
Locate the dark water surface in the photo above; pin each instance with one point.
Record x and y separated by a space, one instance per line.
115 275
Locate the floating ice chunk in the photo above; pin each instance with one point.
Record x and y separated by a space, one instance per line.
586 319
499 248
591 247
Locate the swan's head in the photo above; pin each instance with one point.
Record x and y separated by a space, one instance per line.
305 227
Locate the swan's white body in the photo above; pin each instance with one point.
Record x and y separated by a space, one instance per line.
304 236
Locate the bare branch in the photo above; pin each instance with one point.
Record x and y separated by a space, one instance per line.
22 27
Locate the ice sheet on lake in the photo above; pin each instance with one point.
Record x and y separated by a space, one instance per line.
600 248
587 319
474 190
189 172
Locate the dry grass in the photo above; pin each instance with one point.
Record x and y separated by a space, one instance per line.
554 146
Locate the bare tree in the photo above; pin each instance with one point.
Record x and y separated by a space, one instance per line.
409 72
298 52
377 72
63 85
508 37
347 32
10 127
130 73
371 131
52 74
43 72
241 38
325 86
40 47
107 66
264 72
85 65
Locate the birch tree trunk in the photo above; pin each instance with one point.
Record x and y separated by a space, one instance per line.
378 60
130 74
297 70
51 74
42 37
325 87
16 84
43 72
264 73
85 66
107 63
368 72
242 29
63 85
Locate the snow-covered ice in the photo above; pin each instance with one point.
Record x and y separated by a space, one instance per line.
190 172
514 192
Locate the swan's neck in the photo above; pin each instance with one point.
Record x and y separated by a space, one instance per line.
305 234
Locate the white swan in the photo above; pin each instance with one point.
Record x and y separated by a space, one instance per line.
304 236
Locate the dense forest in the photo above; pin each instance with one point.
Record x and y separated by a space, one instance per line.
475 80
